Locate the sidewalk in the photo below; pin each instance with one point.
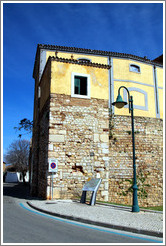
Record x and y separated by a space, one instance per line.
116 217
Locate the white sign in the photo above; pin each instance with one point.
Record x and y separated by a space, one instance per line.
53 165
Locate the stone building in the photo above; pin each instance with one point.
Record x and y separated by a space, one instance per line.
75 123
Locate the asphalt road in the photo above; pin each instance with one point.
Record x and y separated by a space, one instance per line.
22 224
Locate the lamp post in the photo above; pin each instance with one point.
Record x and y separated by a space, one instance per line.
120 104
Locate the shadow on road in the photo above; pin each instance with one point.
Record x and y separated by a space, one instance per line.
17 190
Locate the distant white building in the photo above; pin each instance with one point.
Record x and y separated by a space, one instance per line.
15 177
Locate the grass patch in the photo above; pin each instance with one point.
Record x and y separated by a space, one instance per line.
118 204
157 208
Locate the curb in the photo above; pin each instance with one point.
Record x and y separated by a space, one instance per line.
111 226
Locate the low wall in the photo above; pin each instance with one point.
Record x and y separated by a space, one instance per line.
149 160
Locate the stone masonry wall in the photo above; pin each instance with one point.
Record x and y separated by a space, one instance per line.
79 139
149 160
40 153
76 132
43 150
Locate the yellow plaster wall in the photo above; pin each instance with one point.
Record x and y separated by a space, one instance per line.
61 79
159 76
121 70
94 59
160 92
99 79
138 99
159 72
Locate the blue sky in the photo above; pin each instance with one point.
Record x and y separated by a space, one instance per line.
133 28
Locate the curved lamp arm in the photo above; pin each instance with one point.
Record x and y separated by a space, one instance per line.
124 88
119 101
130 98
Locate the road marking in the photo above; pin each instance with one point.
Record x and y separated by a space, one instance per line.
86 226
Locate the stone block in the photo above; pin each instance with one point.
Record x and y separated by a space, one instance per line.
97 164
104 193
98 175
50 147
105 124
63 132
96 138
106 198
105 151
104 138
106 164
56 194
106 185
57 138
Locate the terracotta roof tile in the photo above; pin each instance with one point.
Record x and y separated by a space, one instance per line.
78 62
90 51
93 52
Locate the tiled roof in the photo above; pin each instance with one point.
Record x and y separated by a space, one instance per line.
73 61
94 52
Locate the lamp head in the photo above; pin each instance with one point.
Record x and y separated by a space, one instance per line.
119 102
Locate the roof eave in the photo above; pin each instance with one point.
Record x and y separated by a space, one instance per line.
89 51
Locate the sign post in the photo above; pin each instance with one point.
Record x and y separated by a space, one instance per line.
93 186
53 167
52 184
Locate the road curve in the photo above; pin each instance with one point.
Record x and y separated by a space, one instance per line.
22 224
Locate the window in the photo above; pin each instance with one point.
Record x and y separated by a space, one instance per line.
80 85
84 60
135 68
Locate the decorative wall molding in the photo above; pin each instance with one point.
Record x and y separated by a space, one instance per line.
133 81
125 97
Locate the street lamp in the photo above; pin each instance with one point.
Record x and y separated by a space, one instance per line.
120 104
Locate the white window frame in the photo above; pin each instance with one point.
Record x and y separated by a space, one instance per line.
72 85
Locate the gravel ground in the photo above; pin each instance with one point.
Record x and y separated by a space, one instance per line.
106 214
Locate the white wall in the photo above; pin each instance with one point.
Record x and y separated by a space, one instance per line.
11 177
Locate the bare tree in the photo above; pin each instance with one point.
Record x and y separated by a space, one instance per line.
18 155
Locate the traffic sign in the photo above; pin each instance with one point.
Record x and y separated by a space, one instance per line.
53 165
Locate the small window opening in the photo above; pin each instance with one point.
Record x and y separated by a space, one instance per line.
80 85
84 60
134 68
